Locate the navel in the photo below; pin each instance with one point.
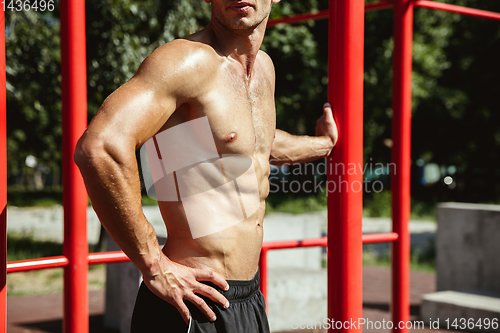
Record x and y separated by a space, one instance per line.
231 137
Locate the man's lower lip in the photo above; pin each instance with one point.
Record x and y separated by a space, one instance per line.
240 9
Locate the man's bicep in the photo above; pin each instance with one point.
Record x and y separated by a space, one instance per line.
134 112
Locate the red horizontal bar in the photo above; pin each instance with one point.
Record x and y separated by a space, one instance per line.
299 18
373 6
119 256
35 264
366 238
61 261
324 14
458 9
380 238
107 257
294 243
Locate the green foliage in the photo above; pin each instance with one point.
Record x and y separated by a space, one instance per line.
455 69
458 118
300 60
295 205
122 33
33 88
23 198
378 205
20 247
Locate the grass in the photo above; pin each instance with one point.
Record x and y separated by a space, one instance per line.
147 201
20 247
295 204
49 281
416 264
420 260
26 198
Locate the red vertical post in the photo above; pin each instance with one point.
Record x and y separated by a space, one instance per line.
3 178
345 184
74 118
401 154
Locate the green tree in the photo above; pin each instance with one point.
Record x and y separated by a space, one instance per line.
454 79
33 89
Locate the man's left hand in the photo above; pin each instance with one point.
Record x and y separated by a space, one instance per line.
326 126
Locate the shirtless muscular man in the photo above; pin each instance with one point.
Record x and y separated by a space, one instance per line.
208 283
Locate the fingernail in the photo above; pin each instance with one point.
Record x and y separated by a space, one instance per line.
213 318
226 305
227 287
327 105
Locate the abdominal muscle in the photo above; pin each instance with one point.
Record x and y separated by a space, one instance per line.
232 252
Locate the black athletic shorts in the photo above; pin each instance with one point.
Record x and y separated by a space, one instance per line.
246 312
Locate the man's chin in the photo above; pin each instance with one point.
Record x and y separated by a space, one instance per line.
245 25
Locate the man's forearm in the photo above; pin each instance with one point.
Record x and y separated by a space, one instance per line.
291 149
112 182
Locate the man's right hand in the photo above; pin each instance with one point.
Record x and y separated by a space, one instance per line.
175 283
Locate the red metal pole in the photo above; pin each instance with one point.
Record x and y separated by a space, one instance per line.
3 179
401 134
36 264
298 18
345 202
458 9
74 90
380 238
323 14
107 257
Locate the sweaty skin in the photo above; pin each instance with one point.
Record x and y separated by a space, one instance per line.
219 73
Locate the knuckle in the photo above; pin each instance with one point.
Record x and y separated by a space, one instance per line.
199 301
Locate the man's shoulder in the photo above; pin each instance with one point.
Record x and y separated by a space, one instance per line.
186 48
265 59
181 56
267 64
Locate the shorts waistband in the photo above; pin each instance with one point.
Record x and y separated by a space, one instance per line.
239 289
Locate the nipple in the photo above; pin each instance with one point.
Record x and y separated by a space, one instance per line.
231 137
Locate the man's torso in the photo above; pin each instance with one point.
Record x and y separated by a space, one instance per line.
241 115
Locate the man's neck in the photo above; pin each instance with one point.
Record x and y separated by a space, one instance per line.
239 45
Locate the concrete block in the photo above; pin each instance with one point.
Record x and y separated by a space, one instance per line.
46 223
473 306
296 296
467 245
